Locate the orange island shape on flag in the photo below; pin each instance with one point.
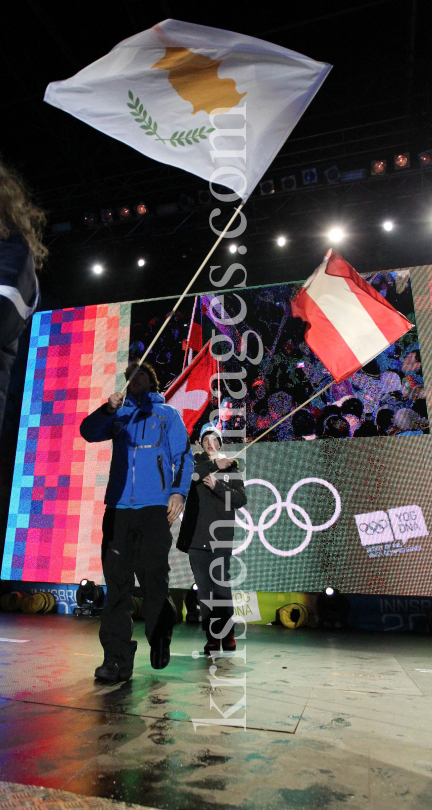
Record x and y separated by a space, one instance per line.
194 77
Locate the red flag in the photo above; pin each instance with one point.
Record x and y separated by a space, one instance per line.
190 393
349 322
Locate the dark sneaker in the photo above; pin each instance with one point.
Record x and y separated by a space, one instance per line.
211 647
160 653
229 643
112 672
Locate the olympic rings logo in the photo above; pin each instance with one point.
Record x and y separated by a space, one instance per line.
376 527
265 521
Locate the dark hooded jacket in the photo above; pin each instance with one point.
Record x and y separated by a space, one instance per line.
19 290
205 506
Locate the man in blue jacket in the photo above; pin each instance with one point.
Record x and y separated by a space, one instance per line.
150 476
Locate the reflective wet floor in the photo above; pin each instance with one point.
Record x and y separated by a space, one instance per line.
296 719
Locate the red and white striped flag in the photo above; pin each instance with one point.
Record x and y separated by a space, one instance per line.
349 322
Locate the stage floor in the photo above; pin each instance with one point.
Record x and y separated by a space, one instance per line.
333 719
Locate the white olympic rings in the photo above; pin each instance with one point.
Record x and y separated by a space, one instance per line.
291 507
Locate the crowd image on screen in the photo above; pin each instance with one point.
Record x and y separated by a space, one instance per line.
384 398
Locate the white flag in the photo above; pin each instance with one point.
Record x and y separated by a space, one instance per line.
157 92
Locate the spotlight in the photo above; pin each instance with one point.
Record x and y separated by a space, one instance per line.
166 209
402 161
185 202
141 262
333 608
98 269
193 613
425 159
107 214
289 183
281 240
332 175
336 235
89 598
125 212
141 209
378 167
204 197
387 225
90 220
309 176
233 248
266 188
352 175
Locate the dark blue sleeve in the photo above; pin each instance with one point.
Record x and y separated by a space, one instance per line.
97 426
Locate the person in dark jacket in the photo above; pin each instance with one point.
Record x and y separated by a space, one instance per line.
217 491
21 250
149 479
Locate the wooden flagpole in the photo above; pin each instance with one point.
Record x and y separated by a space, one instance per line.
279 422
190 332
184 293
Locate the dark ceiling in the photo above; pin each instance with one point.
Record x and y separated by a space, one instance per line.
375 103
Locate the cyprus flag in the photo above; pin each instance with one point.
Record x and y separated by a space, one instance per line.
213 102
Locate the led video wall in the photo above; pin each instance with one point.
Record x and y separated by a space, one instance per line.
340 493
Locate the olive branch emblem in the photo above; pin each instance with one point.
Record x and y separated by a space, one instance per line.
150 126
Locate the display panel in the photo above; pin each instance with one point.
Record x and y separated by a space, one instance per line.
363 525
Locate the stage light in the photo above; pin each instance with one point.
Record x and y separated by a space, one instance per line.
378 167
125 212
332 175
281 240
98 269
336 235
90 220
89 598
266 188
425 159
387 225
141 262
233 248
309 176
186 203
107 214
166 209
402 161
289 183
204 197
193 613
352 175
333 608
141 209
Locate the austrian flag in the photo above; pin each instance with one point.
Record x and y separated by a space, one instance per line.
349 322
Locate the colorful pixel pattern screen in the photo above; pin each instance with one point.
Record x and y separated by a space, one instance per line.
53 532
76 360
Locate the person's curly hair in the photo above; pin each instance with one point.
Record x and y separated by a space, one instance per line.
18 212
154 382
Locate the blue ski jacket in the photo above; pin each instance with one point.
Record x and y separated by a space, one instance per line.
151 458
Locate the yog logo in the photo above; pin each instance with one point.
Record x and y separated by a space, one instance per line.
403 523
273 512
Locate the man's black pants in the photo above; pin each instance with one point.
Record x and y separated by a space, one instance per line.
213 620
135 541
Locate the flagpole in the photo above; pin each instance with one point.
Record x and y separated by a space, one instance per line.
189 332
184 293
299 407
